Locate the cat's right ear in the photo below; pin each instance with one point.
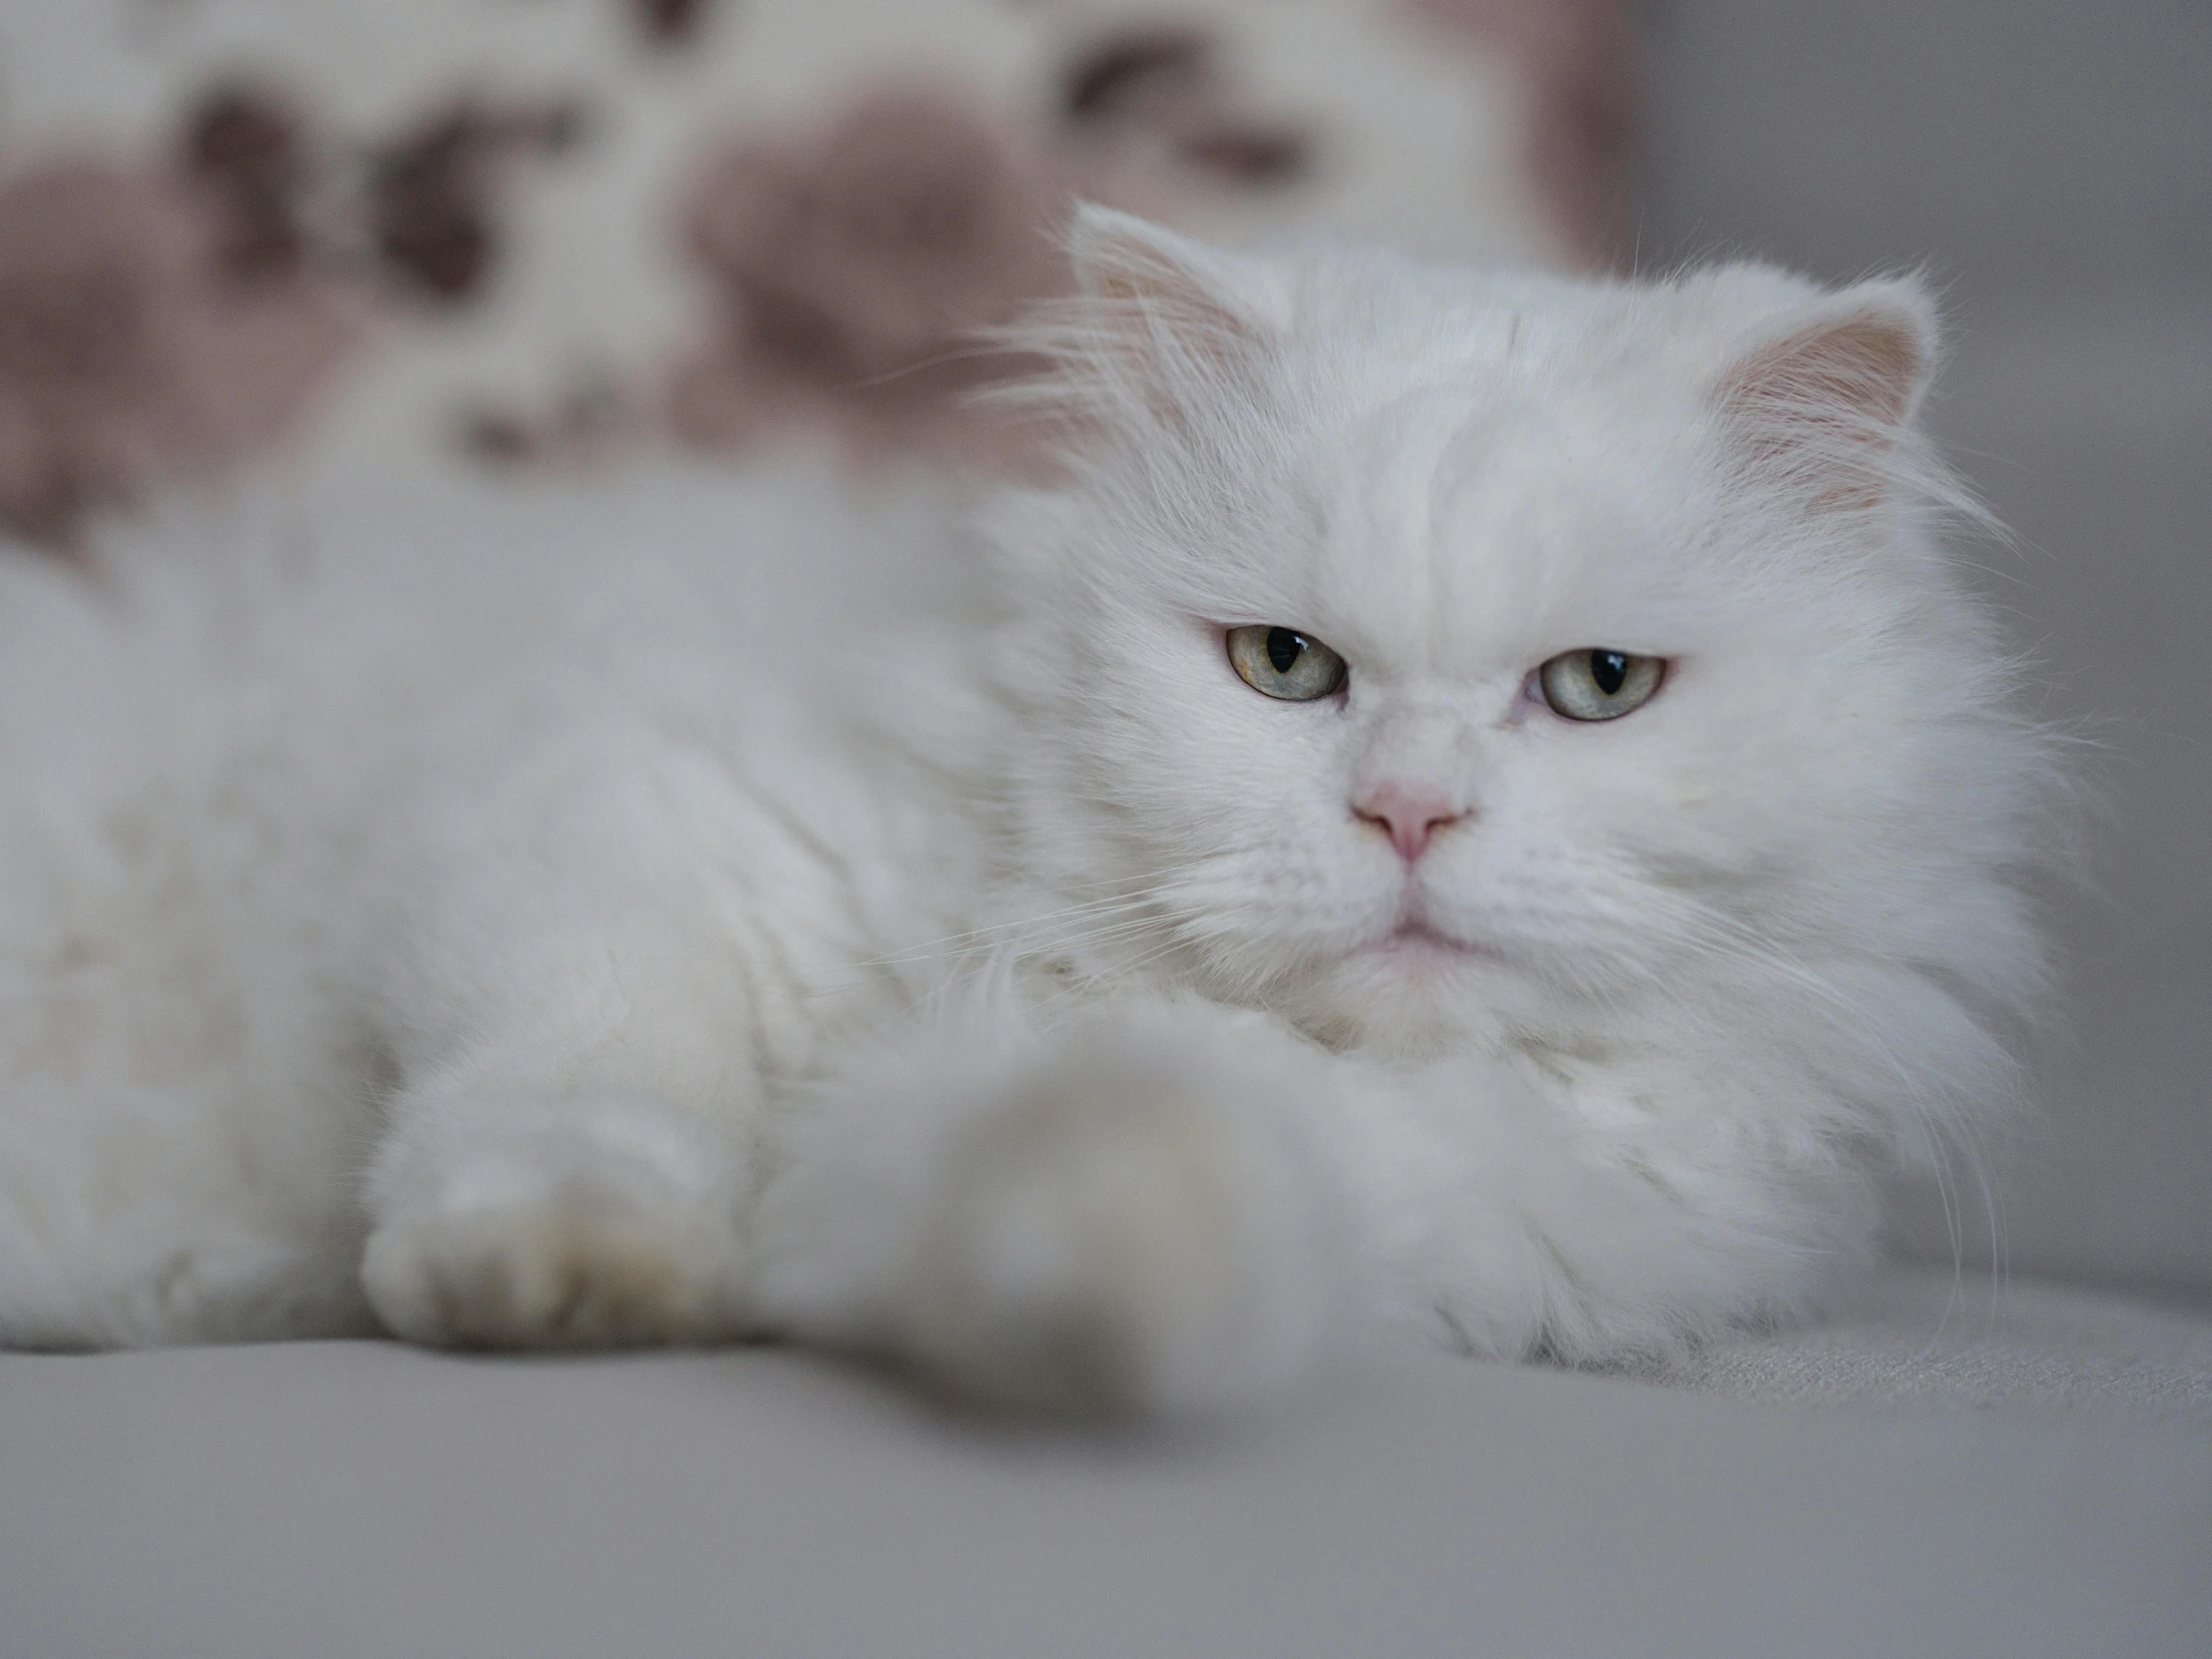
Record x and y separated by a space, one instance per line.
1164 319
1823 395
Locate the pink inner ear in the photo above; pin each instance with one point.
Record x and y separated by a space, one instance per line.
1863 372
1829 402
1160 327
1160 303
1153 306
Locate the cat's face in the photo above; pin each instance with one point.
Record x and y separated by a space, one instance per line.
1294 642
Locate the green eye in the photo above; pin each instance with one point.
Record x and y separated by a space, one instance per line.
1599 685
1282 662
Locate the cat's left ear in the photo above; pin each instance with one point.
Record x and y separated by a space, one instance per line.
1824 395
1166 316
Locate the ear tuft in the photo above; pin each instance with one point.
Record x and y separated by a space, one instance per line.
1160 317
1124 262
1829 394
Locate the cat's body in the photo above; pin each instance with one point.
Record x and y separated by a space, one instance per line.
708 908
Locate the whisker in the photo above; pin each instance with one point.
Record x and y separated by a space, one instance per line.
1122 914
1146 893
932 947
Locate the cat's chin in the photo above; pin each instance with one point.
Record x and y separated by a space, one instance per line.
1413 993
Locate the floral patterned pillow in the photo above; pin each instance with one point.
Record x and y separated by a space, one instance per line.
541 231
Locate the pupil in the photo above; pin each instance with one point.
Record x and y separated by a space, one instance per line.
1283 648
1609 669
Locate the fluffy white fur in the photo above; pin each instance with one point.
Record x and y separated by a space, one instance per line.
690 907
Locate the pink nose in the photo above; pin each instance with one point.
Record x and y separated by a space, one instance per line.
1410 815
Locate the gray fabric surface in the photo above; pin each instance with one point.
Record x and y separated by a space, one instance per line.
1927 1339
366 1499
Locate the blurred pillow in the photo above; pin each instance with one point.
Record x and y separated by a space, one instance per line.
535 232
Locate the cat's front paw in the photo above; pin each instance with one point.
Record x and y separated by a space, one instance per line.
574 1225
1122 1235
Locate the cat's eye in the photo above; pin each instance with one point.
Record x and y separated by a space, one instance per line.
1599 685
1282 662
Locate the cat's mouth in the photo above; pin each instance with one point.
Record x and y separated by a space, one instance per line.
1416 942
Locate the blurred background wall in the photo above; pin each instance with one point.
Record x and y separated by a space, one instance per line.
241 236
2050 162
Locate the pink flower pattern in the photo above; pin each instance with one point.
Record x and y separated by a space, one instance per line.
131 353
854 268
175 318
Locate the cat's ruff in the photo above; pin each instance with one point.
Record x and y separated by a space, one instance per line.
705 907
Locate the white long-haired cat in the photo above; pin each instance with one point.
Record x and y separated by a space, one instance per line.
1478 810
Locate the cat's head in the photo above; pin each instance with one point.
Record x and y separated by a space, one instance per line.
1450 658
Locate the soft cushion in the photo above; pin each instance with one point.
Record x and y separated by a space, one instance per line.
368 1499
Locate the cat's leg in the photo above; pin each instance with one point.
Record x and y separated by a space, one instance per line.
177 1152
573 993
131 1217
508 1218
1131 1213
1185 1207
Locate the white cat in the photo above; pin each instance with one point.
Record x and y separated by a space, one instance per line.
1480 810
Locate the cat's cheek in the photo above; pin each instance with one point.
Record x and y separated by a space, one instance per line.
1692 794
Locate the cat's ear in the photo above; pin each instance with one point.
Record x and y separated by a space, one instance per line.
1166 317
1823 395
